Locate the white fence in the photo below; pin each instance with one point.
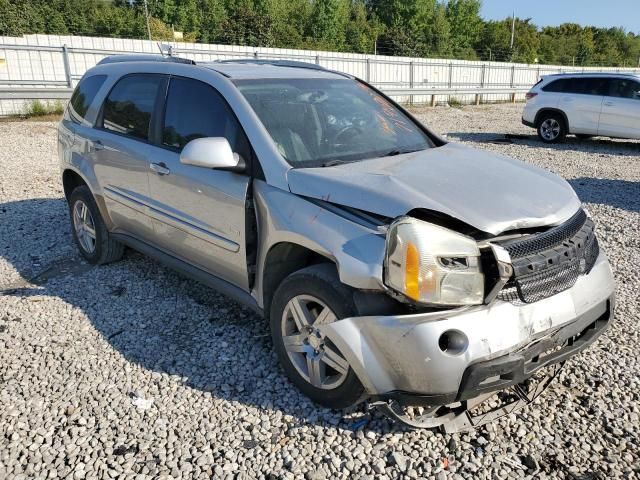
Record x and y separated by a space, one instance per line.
48 66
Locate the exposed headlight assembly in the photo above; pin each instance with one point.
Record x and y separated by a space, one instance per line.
433 265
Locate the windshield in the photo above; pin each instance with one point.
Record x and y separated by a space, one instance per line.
315 121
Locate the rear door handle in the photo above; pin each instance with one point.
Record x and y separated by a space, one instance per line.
160 168
609 104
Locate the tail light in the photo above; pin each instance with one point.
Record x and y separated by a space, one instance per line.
530 95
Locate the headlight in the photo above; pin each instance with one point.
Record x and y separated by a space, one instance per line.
431 264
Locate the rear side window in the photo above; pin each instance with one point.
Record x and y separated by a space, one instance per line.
624 88
580 85
195 110
84 95
560 86
129 106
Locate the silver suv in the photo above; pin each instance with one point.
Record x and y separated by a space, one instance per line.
392 266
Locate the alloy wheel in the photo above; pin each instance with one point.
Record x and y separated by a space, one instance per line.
84 226
550 129
314 356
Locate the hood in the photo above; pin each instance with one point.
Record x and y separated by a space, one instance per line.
492 193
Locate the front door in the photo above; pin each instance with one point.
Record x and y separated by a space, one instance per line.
198 214
621 109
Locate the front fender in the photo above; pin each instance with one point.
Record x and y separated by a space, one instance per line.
357 251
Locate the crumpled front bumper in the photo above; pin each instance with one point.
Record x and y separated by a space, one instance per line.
401 357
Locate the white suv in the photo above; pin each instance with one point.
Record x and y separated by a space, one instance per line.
585 105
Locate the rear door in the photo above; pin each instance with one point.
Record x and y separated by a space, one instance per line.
582 103
199 213
621 109
122 152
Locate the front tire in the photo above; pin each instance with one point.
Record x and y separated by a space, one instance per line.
305 299
552 128
89 231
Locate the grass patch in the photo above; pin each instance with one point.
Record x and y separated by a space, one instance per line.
454 102
43 109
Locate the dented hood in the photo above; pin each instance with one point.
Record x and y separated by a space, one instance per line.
490 192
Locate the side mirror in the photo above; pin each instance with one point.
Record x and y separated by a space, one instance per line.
212 152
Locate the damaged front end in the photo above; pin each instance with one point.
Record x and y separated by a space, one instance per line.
492 320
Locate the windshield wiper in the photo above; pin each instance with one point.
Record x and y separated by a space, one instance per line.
398 151
333 163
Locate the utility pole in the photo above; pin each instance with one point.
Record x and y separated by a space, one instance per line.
146 15
513 29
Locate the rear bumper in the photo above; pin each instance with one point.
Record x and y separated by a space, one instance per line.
400 356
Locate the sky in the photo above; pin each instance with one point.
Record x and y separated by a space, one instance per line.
599 13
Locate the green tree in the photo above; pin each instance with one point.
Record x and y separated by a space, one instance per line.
465 24
327 23
362 29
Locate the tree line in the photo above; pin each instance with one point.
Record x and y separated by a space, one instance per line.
421 28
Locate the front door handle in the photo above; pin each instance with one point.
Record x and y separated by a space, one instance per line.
160 168
96 146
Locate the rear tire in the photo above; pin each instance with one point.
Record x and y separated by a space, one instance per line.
89 231
312 362
551 128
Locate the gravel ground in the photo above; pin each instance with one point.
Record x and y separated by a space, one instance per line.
130 370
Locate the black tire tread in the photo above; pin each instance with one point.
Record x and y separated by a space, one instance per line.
322 281
108 249
561 121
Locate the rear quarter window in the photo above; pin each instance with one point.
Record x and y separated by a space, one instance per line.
83 96
562 85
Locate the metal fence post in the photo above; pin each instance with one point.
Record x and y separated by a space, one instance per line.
368 70
411 82
482 80
317 59
67 65
450 81
513 74
255 55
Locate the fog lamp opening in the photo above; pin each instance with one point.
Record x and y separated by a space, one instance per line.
453 342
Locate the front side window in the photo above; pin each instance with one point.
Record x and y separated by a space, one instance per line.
130 104
317 121
195 110
623 88
84 95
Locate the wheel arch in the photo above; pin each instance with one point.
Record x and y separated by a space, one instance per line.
557 111
72 179
283 259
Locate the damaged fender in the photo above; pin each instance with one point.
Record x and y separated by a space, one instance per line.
357 250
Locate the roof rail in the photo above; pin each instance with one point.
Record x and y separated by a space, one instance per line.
144 58
630 74
275 63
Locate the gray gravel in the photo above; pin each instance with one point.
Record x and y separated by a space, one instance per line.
132 371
